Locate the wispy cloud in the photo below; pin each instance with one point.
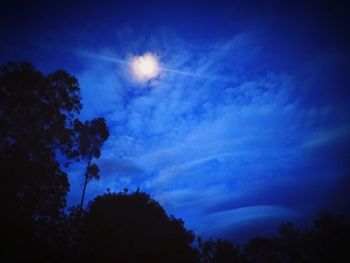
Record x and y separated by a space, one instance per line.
219 125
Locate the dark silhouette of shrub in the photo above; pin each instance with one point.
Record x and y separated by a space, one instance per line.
219 251
327 241
121 227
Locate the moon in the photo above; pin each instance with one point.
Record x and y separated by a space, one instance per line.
145 67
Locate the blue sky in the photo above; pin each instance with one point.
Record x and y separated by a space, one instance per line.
257 134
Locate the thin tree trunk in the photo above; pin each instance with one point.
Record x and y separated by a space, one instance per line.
85 184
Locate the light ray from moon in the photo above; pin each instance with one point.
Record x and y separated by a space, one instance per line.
147 66
101 57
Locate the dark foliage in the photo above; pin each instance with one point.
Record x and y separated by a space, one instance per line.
91 136
132 228
218 252
36 121
37 111
327 241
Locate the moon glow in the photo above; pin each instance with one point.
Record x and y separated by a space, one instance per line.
145 67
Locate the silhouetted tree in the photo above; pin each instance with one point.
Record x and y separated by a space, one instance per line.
91 136
132 228
327 241
37 113
263 250
219 251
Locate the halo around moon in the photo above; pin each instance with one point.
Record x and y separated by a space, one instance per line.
145 67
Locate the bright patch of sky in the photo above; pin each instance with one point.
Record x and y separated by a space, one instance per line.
236 135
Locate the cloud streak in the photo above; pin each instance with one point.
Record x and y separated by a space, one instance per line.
211 148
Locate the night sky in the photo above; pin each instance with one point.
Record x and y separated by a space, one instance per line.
247 124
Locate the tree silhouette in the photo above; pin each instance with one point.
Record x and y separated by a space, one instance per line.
219 251
91 136
132 228
327 241
37 113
